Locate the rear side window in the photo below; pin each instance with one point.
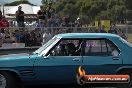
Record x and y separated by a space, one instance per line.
100 47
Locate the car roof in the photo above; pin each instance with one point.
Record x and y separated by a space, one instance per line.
87 35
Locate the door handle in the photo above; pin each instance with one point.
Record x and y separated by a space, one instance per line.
76 59
116 58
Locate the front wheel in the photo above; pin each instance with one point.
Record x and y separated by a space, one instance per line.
7 80
80 80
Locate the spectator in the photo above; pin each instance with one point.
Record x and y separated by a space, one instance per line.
1 40
113 29
38 40
27 39
11 23
18 36
40 24
20 18
57 21
46 37
66 23
38 37
38 32
13 38
102 30
7 37
52 24
78 24
41 17
122 34
4 23
22 39
32 39
50 10
2 36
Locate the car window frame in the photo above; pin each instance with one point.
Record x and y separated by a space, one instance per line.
47 48
41 49
48 53
106 39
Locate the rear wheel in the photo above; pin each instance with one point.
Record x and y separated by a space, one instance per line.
8 81
125 85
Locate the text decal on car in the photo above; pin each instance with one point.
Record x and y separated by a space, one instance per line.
82 78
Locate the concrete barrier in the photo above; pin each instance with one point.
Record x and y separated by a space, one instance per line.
5 51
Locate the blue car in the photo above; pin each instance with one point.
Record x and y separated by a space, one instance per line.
58 60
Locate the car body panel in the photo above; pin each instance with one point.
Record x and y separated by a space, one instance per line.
13 60
41 68
21 64
101 65
59 69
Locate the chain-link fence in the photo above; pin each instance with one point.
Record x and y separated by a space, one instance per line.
126 29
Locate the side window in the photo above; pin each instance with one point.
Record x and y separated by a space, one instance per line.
112 49
67 48
100 47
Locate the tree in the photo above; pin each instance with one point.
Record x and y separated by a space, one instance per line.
90 10
15 3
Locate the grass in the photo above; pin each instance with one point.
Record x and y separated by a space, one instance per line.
130 38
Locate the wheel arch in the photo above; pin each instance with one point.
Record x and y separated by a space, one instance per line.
13 73
124 69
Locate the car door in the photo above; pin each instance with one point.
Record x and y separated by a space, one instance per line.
101 56
59 65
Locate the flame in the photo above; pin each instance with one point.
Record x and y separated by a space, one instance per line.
81 71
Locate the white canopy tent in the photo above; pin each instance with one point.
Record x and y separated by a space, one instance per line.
29 10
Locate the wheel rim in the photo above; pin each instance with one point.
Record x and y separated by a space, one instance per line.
2 81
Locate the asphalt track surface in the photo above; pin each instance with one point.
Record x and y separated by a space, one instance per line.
68 87
58 86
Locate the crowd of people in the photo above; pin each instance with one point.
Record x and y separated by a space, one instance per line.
47 25
44 30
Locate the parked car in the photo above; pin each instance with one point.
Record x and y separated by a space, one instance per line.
57 61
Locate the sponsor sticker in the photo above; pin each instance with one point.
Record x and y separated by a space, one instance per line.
82 78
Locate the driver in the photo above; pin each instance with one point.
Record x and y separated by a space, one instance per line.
70 49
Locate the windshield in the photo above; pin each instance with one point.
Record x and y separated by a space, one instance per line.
126 42
38 51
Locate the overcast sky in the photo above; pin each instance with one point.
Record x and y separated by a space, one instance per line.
36 2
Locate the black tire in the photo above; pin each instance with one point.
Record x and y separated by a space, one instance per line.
10 80
80 80
125 72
